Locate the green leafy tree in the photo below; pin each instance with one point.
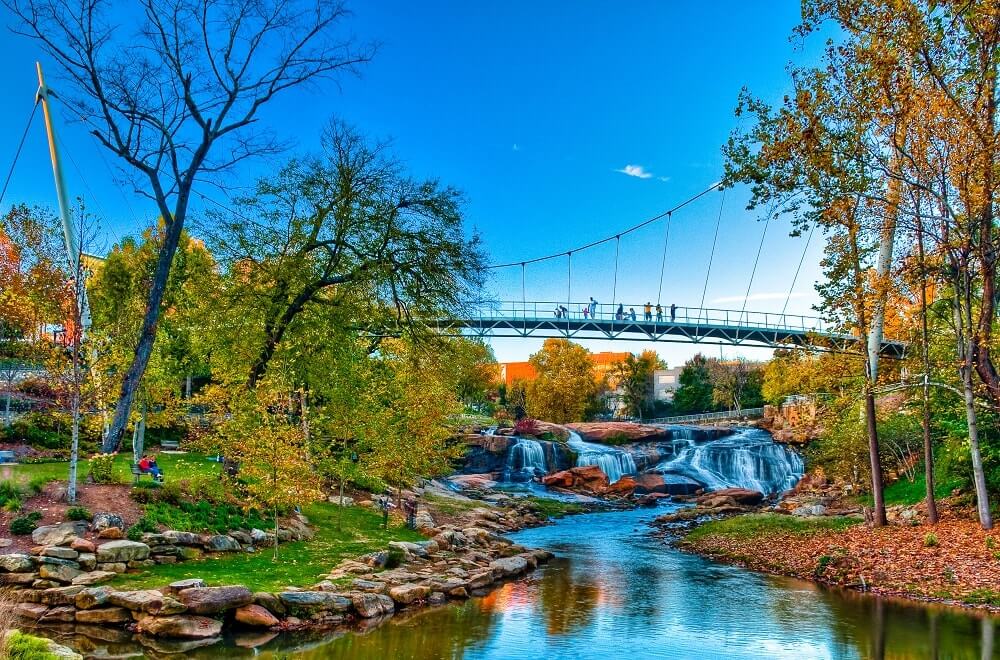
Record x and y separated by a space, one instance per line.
634 378
566 386
694 394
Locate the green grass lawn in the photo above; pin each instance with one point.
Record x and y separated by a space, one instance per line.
299 564
174 466
906 492
756 525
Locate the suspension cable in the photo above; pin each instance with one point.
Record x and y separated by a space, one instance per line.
663 262
607 239
711 256
569 281
614 286
524 302
753 272
796 277
17 154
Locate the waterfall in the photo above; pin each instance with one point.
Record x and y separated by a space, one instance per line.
748 459
615 463
525 460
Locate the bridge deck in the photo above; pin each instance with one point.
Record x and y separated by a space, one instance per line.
689 325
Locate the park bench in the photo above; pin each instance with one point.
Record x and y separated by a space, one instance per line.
7 456
138 474
169 445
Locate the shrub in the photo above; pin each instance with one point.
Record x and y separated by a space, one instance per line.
37 484
141 526
10 496
394 558
203 516
930 540
102 468
28 647
78 513
527 426
23 525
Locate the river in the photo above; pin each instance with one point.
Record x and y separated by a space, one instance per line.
616 590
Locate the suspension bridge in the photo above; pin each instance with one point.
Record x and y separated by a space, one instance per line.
519 316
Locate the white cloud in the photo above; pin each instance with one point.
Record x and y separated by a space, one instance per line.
515 147
757 297
637 171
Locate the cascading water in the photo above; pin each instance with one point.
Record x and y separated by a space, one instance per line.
525 460
615 463
747 459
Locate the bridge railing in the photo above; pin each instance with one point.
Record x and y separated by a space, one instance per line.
746 413
624 313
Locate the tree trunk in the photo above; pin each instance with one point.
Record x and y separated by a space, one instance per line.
932 514
871 424
978 475
144 350
74 449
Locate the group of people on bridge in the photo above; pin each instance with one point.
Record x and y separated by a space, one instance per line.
589 311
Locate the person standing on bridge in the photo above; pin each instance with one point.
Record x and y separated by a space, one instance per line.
659 312
593 308
631 313
673 312
647 314
586 310
620 314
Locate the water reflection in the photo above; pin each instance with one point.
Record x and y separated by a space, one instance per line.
615 591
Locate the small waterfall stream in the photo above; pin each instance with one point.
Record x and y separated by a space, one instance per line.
747 459
525 460
615 463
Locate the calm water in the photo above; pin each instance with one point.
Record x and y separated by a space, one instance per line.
615 590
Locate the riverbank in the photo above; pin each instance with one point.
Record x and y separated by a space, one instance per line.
457 553
954 562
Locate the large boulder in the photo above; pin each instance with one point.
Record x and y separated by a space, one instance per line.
190 627
104 615
587 478
93 597
618 433
93 577
58 572
212 600
307 602
16 563
255 616
61 534
369 605
121 552
742 496
622 488
668 484
149 601
404 594
102 521
509 566
222 543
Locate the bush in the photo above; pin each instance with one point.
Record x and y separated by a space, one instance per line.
394 558
23 525
28 647
102 468
10 496
527 426
141 526
930 540
78 513
203 516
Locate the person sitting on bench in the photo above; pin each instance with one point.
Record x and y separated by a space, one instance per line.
147 465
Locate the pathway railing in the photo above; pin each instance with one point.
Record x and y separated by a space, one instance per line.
746 413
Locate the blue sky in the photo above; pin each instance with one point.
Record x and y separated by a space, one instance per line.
562 122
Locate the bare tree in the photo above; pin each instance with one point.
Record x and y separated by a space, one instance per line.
179 101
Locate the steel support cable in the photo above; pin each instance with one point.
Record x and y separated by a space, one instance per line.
614 286
17 153
796 276
711 256
569 285
663 261
607 239
524 302
753 272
